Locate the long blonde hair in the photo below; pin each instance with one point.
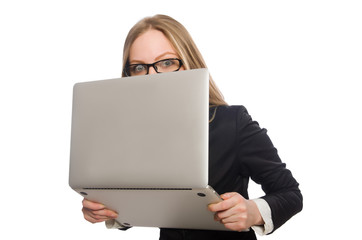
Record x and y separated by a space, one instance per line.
182 42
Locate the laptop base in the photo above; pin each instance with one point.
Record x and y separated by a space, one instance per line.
164 208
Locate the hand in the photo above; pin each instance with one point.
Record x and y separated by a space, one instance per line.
236 212
95 212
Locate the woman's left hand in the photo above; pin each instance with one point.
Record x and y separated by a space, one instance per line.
236 212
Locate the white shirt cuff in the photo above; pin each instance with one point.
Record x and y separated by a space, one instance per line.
265 212
113 224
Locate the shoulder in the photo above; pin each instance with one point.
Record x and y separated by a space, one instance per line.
231 108
235 117
235 112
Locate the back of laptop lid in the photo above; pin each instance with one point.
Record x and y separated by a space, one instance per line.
141 132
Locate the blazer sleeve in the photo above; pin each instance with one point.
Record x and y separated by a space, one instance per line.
259 160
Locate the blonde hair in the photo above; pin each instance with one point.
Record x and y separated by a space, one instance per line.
182 42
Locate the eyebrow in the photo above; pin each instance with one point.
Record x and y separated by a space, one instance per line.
159 57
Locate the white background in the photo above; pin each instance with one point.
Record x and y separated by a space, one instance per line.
295 65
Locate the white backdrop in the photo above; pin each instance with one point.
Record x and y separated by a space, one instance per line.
295 65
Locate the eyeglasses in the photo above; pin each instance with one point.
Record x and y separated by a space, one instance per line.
162 66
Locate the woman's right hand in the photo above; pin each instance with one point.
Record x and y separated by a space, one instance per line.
96 212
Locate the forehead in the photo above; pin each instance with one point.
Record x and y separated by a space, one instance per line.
150 46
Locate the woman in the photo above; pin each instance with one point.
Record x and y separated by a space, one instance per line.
238 148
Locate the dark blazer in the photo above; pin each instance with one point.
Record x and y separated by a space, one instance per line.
238 150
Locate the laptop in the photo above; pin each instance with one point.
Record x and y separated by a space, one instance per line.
139 145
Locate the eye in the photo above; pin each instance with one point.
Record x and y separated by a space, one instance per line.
167 63
139 68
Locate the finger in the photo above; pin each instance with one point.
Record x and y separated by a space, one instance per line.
94 219
238 210
229 195
92 205
106 213
90 217
99 218
218 207
239 217
100 214
225 205
94 216
236 226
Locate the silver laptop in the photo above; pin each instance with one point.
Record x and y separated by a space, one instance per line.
139 145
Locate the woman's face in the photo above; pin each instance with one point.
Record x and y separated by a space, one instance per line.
150 47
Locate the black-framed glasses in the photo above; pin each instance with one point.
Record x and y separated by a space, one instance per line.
162 66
